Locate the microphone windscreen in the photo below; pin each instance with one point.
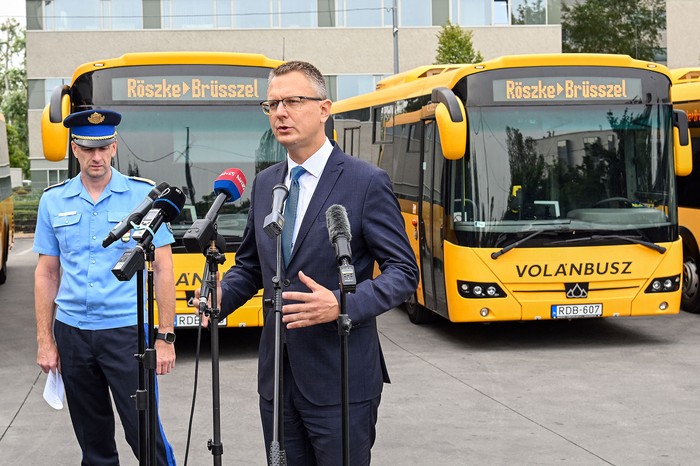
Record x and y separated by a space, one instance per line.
170 202
158 190
337 222
231 182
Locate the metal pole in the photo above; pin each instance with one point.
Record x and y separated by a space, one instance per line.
395 29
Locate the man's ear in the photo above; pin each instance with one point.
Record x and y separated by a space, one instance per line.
325 110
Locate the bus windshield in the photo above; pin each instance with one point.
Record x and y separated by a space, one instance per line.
189 147
568 169
184 125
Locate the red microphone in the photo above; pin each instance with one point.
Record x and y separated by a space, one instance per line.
228 186
230 183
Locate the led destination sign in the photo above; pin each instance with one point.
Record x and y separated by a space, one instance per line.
566 89
189 88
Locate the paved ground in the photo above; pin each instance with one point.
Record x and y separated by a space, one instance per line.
587 392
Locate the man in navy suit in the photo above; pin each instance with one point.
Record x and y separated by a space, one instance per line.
298 107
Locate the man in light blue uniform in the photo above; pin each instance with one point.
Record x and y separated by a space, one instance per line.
86 318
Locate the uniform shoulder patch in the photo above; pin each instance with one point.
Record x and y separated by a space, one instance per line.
56 185
143 180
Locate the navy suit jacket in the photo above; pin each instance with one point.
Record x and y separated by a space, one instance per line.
378 234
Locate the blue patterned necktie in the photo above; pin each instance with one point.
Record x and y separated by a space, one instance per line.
290 213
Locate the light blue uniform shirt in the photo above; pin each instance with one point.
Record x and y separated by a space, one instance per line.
71 226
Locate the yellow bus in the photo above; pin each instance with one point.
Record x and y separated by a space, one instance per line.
686 96
7 217
187 116
532 186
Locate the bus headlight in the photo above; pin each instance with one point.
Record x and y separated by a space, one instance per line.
664 284
473 290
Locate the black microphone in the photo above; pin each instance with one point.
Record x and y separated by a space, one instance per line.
165 209
228 187
135 216
339 234
274 223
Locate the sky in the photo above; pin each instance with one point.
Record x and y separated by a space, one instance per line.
13 9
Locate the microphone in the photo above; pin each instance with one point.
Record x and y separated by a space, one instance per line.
135 216
274 223
339 232
340 236
228 186
165 209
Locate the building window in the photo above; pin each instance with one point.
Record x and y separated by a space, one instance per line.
528 12
415 13
252 15
361 13
298 14
500 12
349 85
184 14
80 15
471 12
39 91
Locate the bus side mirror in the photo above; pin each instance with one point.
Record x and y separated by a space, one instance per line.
451 119
54 136
682 150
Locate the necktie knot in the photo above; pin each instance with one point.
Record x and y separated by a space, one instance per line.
296 173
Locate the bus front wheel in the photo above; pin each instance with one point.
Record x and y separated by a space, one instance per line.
417 314
690 300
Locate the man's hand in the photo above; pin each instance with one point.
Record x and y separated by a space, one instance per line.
318 307
165 355
47 357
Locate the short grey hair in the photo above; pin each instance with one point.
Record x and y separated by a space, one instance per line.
307 69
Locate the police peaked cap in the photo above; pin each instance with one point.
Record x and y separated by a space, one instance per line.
93 128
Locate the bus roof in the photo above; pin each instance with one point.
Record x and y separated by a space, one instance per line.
179 58
422 80
686 85
685 75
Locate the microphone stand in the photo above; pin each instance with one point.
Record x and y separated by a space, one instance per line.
151 357
214 259
348 284
133 260
278 456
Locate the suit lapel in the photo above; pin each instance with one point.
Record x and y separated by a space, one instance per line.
329 177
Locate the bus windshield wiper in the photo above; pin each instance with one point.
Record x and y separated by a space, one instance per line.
497 254
630 239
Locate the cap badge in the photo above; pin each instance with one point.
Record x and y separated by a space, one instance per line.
96 118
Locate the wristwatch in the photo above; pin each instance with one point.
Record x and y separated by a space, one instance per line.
168 337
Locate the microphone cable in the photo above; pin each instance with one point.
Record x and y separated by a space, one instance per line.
194 388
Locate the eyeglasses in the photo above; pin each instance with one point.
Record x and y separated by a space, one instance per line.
290 103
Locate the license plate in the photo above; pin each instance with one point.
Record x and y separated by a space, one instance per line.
572 311
192 320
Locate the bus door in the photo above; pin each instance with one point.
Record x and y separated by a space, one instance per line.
431 220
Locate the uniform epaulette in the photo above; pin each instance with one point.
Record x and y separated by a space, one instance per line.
56 185
143 180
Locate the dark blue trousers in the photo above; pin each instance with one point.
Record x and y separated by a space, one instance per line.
95 363
313 434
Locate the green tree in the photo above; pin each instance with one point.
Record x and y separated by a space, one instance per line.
13 91
631 27
455 46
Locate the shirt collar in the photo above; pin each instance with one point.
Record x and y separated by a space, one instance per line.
116 184
314 164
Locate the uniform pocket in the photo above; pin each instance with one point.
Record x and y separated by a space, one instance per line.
67 229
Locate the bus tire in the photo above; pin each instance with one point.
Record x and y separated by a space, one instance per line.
417 314
6 250
690 299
